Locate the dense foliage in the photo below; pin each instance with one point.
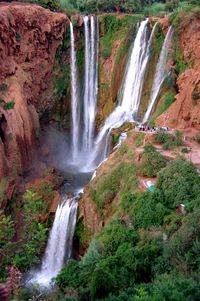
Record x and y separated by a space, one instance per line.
152 162
26 251
150 251
149 7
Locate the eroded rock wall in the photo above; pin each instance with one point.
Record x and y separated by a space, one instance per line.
29 38
185 111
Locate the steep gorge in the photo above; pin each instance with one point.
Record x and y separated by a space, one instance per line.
28 90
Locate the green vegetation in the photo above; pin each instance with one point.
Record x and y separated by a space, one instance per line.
168 140
9 105
148 251
180 19
3 87
18 36
166 101
82 235
25 252
34 232
114 28
184 150
120 178
61 78
152 161
156 9
139 139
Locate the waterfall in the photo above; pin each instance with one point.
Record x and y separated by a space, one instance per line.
94 150
74 98
90 81
160 75
131 91
59 244
133 83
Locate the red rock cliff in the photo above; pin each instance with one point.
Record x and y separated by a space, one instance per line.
185 111
29 38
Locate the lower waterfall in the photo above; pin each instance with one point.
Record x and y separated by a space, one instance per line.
59 246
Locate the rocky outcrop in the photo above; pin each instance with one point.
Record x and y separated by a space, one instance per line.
185 111
29 38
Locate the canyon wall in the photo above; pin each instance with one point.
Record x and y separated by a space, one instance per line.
30 37
185 111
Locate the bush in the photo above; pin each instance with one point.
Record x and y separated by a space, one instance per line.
168 140
162 137
3 87
185 150
139 139
178 183
9 105
172 4
121 177
152 162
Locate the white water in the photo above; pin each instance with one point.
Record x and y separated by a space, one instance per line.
90 81
133 83
59 244
131 92
162 70
75 117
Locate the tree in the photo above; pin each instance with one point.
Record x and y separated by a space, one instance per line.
178 183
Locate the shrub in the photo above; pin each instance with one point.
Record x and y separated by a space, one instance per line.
18 36
139 139
3 87
172 4
152 162
185 150
168 140
9 105
162 137
121 178
34 233
178 182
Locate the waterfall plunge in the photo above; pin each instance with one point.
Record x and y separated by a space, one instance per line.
59 244
90 82
161 73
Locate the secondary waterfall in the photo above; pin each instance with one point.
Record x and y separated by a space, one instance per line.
162 70
133 84
75 110
132 88
59 244
90 81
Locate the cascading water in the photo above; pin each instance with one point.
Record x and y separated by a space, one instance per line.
90 81
93 151
137 64
59 244
131 91
161 73
75 115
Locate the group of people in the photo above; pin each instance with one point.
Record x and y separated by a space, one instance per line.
146 128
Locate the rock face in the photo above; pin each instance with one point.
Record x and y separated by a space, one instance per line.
185 111
29 38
